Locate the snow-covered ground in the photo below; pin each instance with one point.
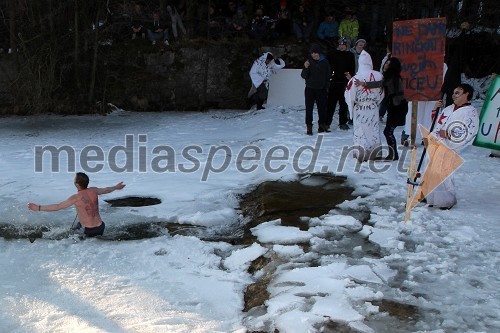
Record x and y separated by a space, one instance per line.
445 263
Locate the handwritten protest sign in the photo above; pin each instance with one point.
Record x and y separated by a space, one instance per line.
420 45
488 135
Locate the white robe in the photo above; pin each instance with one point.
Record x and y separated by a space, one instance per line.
462 124
260 72
363 107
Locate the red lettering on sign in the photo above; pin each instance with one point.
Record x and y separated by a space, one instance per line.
420 45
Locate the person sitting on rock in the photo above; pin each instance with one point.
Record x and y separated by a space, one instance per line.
158 29
138 21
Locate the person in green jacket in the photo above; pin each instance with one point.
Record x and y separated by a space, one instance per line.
349 26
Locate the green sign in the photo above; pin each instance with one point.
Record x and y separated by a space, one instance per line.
488 135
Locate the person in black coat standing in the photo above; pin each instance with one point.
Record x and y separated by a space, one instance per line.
343 64
316 72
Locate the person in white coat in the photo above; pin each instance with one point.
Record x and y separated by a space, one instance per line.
261 70
363 104
456 127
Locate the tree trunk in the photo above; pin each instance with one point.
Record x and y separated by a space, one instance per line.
12 25
94 60
76 61
203 101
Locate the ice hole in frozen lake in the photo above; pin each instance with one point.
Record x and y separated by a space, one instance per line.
133 201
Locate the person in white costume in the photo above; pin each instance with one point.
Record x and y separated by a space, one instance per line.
260 72
363 104
456 127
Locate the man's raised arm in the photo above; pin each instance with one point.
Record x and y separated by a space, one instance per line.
106 190
50 208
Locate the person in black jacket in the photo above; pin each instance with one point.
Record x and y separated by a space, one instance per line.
158 30
342 63
397 106
316 72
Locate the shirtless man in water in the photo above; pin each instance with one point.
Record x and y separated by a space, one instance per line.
86 203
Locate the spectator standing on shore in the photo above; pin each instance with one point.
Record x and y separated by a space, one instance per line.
383 105
342 65
358 47
316 72
388 55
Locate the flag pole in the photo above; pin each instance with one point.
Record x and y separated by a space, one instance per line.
417 174
411 175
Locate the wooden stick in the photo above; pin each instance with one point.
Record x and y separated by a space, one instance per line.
411 177
414 113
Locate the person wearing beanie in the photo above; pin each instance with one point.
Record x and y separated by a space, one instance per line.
315 48
343 68
316 72
358 47
345 41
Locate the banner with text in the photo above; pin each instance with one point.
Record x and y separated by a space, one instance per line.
420 45
488 135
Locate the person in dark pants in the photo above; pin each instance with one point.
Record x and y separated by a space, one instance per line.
383 105
316 72
342 63
397 106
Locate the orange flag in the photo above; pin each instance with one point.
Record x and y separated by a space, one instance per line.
443 161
